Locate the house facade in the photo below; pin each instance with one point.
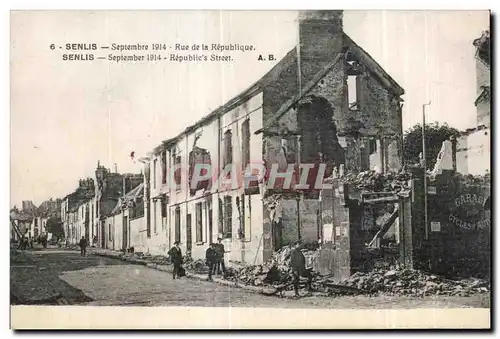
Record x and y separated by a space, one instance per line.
474 145
75 211
247 172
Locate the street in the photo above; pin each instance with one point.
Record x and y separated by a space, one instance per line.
54 276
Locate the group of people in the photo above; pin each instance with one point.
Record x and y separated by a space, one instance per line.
214 259
25 242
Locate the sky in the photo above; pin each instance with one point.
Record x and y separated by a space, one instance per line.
66 116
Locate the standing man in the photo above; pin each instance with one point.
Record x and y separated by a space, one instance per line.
298 266
44 240
175 254
83 246
219 250
211 260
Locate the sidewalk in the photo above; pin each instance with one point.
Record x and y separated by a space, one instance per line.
168 268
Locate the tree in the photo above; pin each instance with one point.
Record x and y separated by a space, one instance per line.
435 134
54 226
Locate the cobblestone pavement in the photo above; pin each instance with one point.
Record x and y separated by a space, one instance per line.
105 281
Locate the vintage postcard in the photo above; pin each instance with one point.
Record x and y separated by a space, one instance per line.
311 169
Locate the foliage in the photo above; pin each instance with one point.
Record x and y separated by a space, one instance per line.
54 226
435 134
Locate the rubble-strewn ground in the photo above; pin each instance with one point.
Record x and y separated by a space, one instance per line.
112 282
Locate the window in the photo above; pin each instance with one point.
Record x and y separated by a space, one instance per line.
245 146
138 210
110 234
177 167
221 217
372 146
148 220
228 148
154 216
163 207
289 146
155 163
241 211
199 223
199 156
228 217
352 91
164 167
178 224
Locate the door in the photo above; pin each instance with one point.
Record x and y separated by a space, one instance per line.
103 235
210 226
189 242
125 239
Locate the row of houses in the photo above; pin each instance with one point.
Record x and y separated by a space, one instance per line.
33 221
248 172
327 106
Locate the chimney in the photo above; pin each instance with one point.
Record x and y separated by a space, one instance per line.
116 167
320 40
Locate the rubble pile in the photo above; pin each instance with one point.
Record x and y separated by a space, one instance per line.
377 182
160 260
413 283
469 179
274 272
198 266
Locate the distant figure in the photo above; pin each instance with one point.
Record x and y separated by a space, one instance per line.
298 266
83 246
219 250
211 260
175 254
44 240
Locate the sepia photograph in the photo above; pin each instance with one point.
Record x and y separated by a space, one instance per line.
260 169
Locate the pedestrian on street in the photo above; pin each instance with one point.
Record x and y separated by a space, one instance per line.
219 250
298 266
211 260
44 241
175 254
83 246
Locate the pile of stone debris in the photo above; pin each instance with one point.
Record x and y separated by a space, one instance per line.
156 259
413 283
377 182
197 266
274 272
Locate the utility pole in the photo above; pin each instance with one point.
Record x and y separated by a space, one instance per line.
424 164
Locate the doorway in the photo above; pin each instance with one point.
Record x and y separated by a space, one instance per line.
210 226
125 233
103 235
189 242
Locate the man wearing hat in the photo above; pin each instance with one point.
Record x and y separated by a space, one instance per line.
298 266
219 250
211 260
175 254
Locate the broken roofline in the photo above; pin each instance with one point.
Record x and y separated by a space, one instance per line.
272 75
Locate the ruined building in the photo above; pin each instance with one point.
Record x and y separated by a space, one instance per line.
473 146
327 103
